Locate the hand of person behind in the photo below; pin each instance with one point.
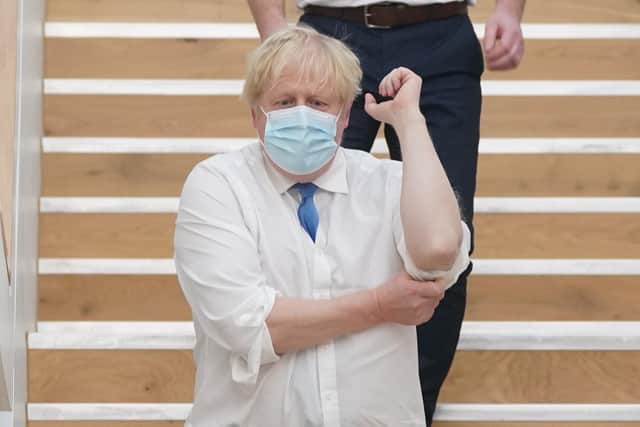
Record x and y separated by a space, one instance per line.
407 301
404 87
503 41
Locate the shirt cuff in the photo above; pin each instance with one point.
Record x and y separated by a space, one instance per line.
246 367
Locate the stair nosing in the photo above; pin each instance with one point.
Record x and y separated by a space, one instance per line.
231 30
475 335
124 145
444 411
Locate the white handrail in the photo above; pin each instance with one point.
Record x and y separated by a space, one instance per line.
6 326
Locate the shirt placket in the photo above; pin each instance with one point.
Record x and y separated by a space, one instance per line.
327 375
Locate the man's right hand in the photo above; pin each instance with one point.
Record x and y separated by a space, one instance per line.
407 301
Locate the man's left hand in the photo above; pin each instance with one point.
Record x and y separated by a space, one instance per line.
503 42
404 87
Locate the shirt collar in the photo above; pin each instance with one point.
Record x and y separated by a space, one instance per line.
333 180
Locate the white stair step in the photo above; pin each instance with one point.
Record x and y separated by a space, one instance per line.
475 335
537 412
249 31
583 267
444 412
203 87
482 204
220 145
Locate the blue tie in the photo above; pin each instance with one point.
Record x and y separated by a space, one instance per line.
307 212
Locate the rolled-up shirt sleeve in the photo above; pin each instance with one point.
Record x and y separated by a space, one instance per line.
461 263
219 271
451 275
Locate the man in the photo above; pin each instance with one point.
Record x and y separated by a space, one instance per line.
435 39
307 266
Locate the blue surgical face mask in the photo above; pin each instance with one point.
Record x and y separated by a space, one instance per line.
300 140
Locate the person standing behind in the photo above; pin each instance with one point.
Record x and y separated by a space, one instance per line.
435 39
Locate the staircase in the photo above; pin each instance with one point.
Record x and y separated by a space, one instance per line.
139 91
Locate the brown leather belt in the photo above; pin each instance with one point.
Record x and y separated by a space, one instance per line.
390 15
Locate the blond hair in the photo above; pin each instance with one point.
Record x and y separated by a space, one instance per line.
316 58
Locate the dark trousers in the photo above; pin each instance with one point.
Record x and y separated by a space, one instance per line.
448 57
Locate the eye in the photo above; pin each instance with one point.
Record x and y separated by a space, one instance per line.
318 104
285 102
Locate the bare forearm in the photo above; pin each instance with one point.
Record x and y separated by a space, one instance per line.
296 324
428 206
269 16
513 7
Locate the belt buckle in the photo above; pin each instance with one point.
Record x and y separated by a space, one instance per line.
367 14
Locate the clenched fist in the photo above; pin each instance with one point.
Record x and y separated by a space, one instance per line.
404 86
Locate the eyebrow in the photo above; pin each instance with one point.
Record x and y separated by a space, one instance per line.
289 94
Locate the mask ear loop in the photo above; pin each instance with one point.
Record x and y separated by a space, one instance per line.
339 114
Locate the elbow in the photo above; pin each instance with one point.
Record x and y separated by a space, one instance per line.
439 254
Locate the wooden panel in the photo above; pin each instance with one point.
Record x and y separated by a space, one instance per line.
155 10
225 59
498 175
542 377
233 10
537 11
151 58
8 34
575 60
227 116
557 235
551 298
514 298
107 235
100 297
111 376
557 175
497 235
116 174
169 116
476 376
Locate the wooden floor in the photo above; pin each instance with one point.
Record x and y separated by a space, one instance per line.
499 175
199 59
491 298
559 11
151 376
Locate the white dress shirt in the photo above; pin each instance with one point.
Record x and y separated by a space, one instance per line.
239 244
356 3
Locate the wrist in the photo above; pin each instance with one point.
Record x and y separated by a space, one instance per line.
514 8
409 119
374 308
411 127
